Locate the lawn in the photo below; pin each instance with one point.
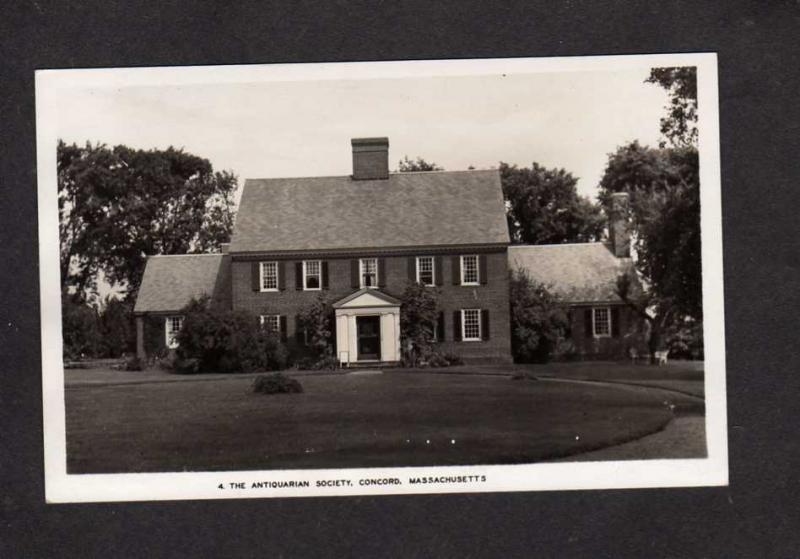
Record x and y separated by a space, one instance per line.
389 419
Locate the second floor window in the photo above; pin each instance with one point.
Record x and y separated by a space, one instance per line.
312 275
369 272
269 276
469 270
425 270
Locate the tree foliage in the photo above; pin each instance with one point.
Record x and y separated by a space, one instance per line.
419 312
407 165
317 320
539 324
118 205
543 207
679 126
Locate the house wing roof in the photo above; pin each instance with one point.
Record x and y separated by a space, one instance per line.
405 210
170 282
577 273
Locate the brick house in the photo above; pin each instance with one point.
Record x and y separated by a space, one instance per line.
360 240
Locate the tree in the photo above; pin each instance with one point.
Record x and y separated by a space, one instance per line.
116 326
543 207
419 313
118 205
407 165
317 320
538 321
679 127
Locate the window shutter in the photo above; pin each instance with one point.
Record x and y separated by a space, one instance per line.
355 281
437 269
324 272
381 272
298 276
440 327
298 330
456 270
255 276
485 324
615 322
457 326
412 269
588 329
283 327
482 272
281 275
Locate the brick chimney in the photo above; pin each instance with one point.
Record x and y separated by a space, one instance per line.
619 236
370 158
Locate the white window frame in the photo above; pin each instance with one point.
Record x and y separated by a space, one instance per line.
262 320
594 322
433 271
464 325
318 274
170 335
261 267
361 273
477 269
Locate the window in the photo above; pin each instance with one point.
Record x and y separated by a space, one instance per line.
425 270
271 322
471 325
369 272
469 270
269 276
312 275
601 321
172 327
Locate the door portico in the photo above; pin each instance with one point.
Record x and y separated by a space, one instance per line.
367 327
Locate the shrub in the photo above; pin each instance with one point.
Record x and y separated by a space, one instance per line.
315 329
436 360
453 359
133 364
538 322
276 383
189 366
326 362
418 318
227 341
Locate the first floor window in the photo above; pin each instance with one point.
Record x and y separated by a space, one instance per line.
269 276
173 326
601 321
369 272
471 324
312 274
271 322
469 270
425 270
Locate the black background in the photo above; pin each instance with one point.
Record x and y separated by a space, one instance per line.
756 516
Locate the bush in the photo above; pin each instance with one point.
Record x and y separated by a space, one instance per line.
418 317
538 322
326 362
226 341
133 364
453 359
276 383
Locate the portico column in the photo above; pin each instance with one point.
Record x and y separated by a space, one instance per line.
140 337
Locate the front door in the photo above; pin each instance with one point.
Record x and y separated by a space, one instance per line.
369 338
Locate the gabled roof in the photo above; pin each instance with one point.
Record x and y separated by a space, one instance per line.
339 213
170 282
577 273
373 298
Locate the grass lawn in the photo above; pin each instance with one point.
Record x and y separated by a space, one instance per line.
389 419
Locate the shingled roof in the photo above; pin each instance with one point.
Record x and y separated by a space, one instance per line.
578 273
339 213
169 282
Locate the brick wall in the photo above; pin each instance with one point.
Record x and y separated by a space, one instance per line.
492 296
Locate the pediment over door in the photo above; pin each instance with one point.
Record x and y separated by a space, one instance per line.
366 298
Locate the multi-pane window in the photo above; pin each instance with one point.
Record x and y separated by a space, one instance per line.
602 321
369 272
172 327
312 274
425 270
269 276
471 324
469 270
271 322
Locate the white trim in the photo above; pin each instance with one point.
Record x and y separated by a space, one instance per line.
594 323
261 287
361 273
464 337
305 276
477 269
171 340
433 270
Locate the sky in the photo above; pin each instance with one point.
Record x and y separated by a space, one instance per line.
569 120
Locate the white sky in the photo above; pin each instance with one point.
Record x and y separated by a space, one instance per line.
303 128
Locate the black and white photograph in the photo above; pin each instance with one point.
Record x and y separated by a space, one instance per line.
381 278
